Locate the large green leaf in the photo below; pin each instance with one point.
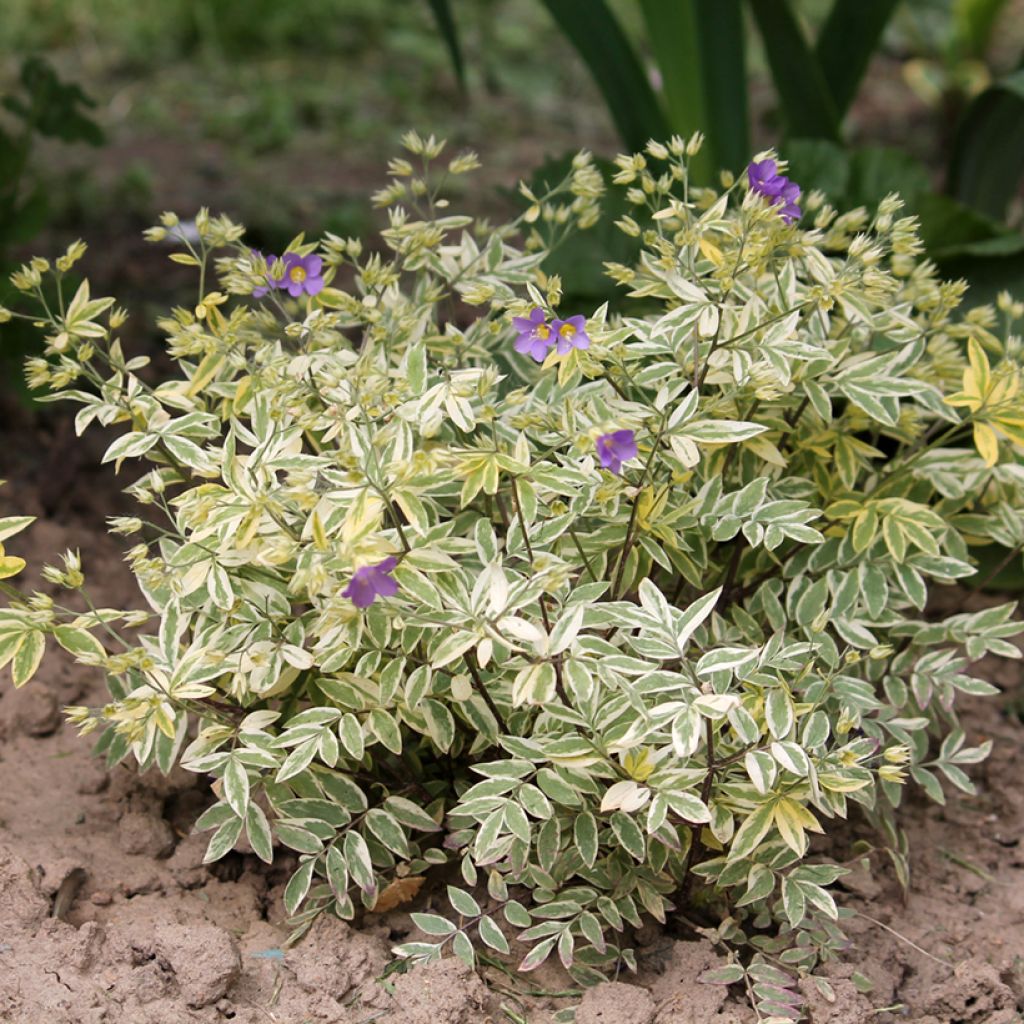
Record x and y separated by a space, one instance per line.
974 22
442 11
599 39
700 52
805 99
846 43
988 152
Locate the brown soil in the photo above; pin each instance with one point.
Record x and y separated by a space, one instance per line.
108 915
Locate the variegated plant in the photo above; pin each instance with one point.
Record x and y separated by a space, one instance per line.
610 633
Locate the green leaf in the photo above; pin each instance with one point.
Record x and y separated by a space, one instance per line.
599 39
433 924
585 837
337 871
78 642
628 833
357 856
988 149
749 835
410 814
223 840
297 838
463 949
846 43
695 614
388 831
723 975
806 102
699 49
442 12
462 903
492 935
258 831
812 602
10 525
298 885
778 710
28 656
440 723
236 786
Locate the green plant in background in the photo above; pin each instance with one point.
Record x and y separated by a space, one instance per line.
952 41
41 107
607 615
46 107
699 50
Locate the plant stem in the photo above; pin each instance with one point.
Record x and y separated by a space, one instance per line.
517 504
481 688
627 544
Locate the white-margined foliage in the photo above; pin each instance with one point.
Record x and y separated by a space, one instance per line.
601 695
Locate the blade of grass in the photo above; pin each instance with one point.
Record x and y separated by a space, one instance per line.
805 100
599 39
987 160
442 11
700 52
847 42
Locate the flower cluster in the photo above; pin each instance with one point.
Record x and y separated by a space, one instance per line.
536 338
777 188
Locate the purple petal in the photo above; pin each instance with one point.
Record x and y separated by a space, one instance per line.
524 343
387 565
314 285
313 265
521 324
384 585
537 315
539 349
361 591
294 288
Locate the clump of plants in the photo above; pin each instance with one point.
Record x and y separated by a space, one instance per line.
599 615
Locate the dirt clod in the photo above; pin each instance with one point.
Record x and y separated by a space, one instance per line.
445 992
616 1003
145 835
203 958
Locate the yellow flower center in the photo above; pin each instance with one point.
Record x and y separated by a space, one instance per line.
543 332
297 274
567 330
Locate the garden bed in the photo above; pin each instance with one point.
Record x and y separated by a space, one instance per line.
108 913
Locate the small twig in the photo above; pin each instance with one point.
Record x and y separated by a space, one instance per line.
999 568
481 688
903 938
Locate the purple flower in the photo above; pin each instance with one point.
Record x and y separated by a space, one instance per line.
570 334
371 582
302 274
765 179
534 335
616 448
766 182
258 293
